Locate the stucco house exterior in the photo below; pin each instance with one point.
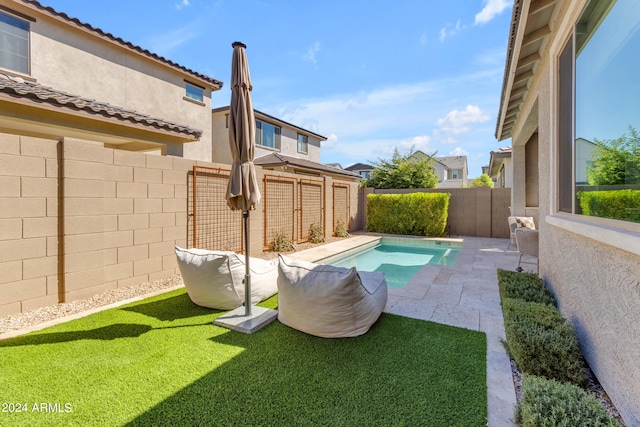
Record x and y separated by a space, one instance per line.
500 168
65 77
569 75
280 145
452 171
362 169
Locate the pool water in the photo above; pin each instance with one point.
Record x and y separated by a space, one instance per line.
397 261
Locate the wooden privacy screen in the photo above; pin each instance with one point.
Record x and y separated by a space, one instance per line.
291 206
340 206
211 223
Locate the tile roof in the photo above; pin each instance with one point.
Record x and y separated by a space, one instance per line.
20 88
453 162
75 21
360 166
277 159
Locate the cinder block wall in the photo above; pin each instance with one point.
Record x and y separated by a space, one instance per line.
28 223
77 219
480 212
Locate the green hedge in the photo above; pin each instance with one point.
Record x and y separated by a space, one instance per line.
550 403
616 204
542 342
418 214
525 286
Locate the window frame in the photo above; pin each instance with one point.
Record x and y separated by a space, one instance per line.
27 20
305 143
623 235
198 100
277 135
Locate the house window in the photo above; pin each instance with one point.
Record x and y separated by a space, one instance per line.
14 44
267 135
601 139
303 144
455 174
194 92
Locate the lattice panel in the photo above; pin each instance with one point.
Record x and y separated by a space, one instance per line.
340 206
311 206
279 208
212 224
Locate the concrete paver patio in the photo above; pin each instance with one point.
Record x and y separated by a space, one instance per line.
463 295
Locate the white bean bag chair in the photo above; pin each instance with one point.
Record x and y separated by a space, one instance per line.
328 301
215 279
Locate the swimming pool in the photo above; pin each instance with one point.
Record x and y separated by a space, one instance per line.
399 258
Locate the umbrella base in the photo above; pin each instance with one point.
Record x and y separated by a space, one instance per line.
238 321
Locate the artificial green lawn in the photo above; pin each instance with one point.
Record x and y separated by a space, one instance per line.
161 362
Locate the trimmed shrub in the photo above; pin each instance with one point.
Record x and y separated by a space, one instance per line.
525 286
316 234
550 403
616 204
542 342
418 214
282 243
341 229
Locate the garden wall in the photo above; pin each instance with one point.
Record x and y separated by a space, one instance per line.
77 219
480 212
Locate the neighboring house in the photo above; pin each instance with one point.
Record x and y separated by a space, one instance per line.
500 168
335 165
272 136
584 160
59 76
452 171
279 146
567 75
281 162
361 169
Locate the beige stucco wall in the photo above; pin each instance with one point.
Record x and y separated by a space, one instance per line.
288 142
78 62
592 265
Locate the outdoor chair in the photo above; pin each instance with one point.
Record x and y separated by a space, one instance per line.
215 279
328 301
518 222
527 241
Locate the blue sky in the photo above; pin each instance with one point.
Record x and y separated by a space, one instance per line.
370 76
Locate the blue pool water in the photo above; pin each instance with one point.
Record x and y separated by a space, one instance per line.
399 260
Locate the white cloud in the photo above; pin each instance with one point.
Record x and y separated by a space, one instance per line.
312 51
365 126
181 4
331 141
163 44
457 122
423 39
451 30
491 9
458 151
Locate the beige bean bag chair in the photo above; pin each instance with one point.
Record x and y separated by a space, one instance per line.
215 279
327 301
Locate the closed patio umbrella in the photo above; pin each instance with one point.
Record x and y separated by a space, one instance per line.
242 191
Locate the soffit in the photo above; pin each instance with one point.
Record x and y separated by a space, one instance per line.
530 31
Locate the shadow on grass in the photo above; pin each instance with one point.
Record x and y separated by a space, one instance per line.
172 308
106 333
402 372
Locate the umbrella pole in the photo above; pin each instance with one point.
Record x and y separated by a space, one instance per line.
247 276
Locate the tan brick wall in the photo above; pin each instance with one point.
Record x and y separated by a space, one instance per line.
480 212
28 220
111 220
